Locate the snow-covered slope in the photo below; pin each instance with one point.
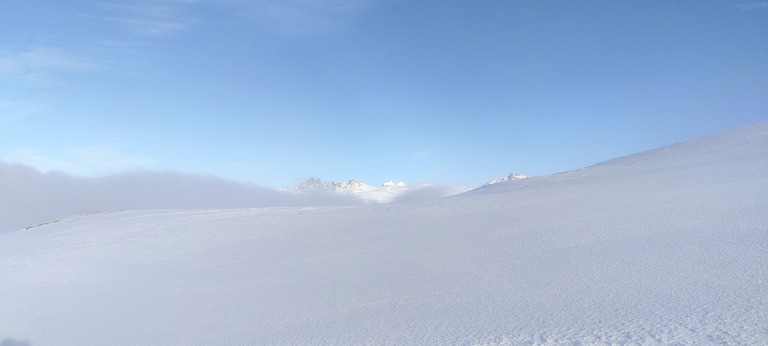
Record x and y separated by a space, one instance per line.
667 246
386 193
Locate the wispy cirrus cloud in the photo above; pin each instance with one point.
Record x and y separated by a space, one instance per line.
300 17
150 18
762 5
27 75
14 107
37 66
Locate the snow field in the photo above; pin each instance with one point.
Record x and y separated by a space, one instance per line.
662 247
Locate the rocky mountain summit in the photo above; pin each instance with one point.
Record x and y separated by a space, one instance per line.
510 177
368 193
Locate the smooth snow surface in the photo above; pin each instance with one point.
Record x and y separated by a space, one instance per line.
668 246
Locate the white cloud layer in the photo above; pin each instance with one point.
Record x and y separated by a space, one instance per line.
29 197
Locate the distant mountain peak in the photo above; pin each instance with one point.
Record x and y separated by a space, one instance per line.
387 192
314 184
510 177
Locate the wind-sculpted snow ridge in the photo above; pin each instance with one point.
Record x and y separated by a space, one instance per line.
662 247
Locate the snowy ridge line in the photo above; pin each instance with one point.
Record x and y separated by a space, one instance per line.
42 224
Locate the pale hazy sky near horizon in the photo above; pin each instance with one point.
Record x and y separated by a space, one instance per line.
455 92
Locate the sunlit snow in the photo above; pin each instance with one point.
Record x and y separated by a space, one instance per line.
665 246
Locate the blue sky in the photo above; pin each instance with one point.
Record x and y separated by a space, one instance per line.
456 92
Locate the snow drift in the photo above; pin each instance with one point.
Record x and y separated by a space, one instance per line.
665 246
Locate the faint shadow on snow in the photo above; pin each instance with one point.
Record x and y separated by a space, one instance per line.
14 342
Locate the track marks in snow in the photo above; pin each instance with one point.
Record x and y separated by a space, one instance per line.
637 334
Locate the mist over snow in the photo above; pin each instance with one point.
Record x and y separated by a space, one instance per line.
29 197
666 246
